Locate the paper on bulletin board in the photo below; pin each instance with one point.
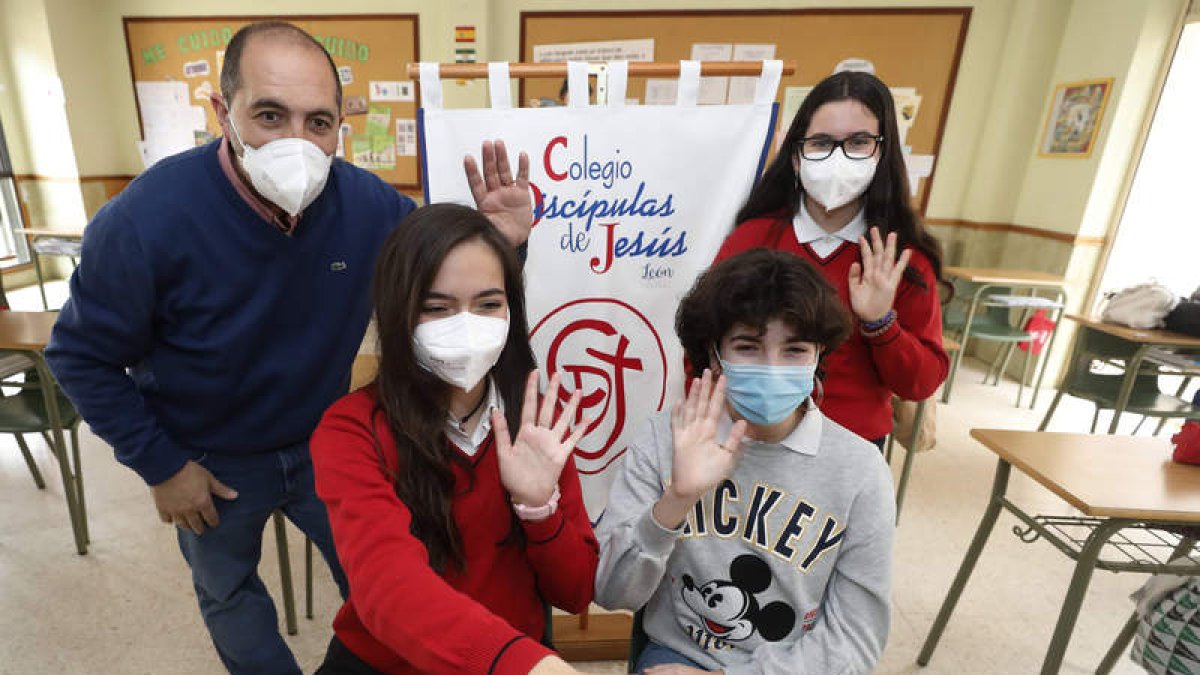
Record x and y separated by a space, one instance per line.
383 152
741 89
406 138
908 103
379 118
918 166
792 98
713 90
610 50
170 124
661 91
391 91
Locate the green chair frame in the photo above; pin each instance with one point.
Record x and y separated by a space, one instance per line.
285 574
994 324
39 406
1103 389
951 347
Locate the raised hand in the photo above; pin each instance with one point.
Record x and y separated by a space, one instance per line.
700 462
873 283
530 465
500 197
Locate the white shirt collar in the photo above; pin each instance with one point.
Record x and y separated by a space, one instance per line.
808 231
470 444
804 439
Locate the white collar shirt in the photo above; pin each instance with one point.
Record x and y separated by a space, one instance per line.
824 243
469 443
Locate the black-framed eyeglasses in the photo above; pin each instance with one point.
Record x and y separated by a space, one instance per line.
858 146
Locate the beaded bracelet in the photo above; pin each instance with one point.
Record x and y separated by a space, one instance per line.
872 329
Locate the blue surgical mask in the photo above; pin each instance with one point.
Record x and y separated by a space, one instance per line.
766 395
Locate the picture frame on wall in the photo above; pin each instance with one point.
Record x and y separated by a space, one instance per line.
1073 122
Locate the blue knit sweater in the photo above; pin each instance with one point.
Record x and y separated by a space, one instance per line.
194 326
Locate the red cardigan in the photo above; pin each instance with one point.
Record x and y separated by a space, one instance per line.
861 375
401 616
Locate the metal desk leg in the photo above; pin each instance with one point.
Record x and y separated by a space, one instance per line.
1044 357
999 486
908 457
37 268
1084 566
1131 373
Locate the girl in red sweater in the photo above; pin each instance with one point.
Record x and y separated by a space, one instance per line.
837 196
454 536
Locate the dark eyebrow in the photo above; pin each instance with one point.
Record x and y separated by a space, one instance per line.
434 295
275 104
746 336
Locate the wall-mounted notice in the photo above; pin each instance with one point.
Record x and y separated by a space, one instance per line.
610 50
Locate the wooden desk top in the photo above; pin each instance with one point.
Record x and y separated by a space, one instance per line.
1104 475
995 275
29 331
1150 336
40 232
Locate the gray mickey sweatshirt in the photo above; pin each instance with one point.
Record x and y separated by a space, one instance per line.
784 568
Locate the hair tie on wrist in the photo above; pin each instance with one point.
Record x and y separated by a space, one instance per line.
538 512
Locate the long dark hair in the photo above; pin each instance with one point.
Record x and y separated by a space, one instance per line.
414 400
886 202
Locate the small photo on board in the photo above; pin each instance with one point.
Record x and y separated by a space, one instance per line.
356 105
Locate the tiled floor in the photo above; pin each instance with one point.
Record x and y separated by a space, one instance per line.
127 606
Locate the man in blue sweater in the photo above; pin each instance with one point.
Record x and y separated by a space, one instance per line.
219 304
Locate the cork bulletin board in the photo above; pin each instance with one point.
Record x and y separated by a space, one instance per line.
917 48
370 51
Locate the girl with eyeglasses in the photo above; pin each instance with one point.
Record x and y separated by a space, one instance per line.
837 195
454 535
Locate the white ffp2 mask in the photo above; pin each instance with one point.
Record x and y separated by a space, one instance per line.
836 180
460 349
290 172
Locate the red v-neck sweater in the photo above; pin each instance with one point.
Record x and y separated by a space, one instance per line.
401 616
861 375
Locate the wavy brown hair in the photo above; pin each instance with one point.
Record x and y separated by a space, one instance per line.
414 400
886 204
752 288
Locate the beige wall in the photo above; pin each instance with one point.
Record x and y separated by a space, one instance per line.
988 171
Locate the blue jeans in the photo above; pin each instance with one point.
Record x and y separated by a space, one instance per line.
656 655
236 607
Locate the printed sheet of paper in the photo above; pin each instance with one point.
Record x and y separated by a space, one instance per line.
611 50
918 166
661 91
406 138
713 90
741 89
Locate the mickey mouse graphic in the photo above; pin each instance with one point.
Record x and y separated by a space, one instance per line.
729 609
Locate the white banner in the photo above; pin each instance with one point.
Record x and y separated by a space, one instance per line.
630 204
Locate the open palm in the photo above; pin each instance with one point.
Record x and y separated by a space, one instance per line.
531 464
873 282
500 196
699 461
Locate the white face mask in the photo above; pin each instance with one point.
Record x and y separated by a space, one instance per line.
836 180
290 172
460 349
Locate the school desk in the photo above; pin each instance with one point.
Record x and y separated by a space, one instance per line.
1133 499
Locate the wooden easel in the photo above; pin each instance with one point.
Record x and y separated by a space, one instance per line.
603 637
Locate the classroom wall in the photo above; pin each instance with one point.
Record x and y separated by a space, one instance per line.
993 201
